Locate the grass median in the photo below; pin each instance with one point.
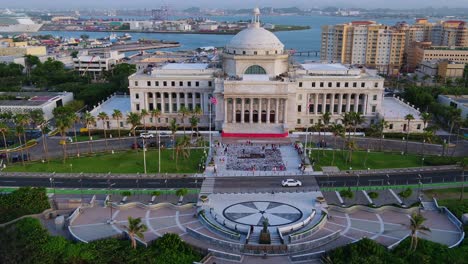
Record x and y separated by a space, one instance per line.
119 162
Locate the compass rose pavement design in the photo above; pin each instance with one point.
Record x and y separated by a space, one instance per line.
254 213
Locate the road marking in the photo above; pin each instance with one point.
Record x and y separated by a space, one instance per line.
148 224
382 227
8 181
178 222
348 225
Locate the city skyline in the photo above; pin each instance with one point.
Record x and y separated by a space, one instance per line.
397 4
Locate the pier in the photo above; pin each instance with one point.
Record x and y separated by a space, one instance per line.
307 53
139 46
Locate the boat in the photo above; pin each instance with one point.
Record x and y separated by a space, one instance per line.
124 37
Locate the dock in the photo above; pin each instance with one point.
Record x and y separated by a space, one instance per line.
139 46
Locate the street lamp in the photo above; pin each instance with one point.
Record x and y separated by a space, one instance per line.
357 183
52 185
109 184
422 162
144 155
305 145
159 150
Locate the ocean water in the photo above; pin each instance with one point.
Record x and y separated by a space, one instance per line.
302 40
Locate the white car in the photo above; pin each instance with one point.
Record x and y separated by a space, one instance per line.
146 135
291 183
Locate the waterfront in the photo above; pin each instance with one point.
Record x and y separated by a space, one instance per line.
302 40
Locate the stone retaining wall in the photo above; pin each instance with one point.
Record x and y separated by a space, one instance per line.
314 243
309 232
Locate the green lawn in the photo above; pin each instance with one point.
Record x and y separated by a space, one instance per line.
121 162
375 160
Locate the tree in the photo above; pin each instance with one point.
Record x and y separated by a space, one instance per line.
4 130
408 118
183 111
30 61
89 120
76 120
347 120
181 149
416 225
326 121
337 130
64 118
134 229
19 132
381 126
155 114
351 147
37 117
104 117
173 126
454 117
194 125
426 117
134 119
23 120
357 120
143 114
117 115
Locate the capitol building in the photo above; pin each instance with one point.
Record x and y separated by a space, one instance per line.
261 91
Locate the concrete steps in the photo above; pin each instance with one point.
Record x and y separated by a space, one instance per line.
207 186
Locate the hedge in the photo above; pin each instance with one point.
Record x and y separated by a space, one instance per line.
24 201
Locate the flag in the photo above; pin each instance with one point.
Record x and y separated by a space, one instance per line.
213 100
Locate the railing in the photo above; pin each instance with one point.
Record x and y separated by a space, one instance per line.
293 227
217 229
453 219
314 243
305 233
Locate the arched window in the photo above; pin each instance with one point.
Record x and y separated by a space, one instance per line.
255 69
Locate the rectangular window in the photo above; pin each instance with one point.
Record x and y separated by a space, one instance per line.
121 124
151 106
374 97
148 83
300 84
311 121
189 84
150 95
321 84
299 108
181 83
363 85
172 83
338 84
136 83
390 126
164 83
418 127
374 108
313 84
354 84
137 96
137 106
346 84
298 121
330 84
157 83
197 84
376 85
209 83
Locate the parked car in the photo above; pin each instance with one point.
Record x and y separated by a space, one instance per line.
136 146
146 135
291 183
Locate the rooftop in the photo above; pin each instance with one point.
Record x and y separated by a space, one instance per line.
119 102
324 67
185 66
29 99
463 99
394 108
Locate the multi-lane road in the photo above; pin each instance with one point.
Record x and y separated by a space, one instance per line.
243 184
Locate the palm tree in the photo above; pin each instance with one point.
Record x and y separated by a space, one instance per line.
135 228
351 147
358 119
104 117
416 225
326 121
347 122
183 111
454 117
63 123
181 149
197 111
4 130
427 136
134 119
23 120
381 126
143 114
155 114
337 130
76 120
408 118
426 117
42 123
117 115
173 126
194 125
19 132
89 120
318 127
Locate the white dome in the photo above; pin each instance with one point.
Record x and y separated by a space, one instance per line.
255 38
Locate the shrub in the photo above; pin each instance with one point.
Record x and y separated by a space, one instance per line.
126 193
347 193
156 193
24 201
406 193
373 195
439 161
181 192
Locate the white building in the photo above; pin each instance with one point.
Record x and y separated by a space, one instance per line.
259 92
459 102
95 63
27 102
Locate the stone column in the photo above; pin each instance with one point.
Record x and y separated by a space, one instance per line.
194 104
277 110
226 110
178 101
324 109
186 100
268 111
234 110
316 103
356 102
332 103
251 110
242 110
170 102
348 102
340 103
285 111
366 103
259 110
162 103
155 105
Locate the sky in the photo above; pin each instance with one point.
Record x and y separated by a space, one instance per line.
180 4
